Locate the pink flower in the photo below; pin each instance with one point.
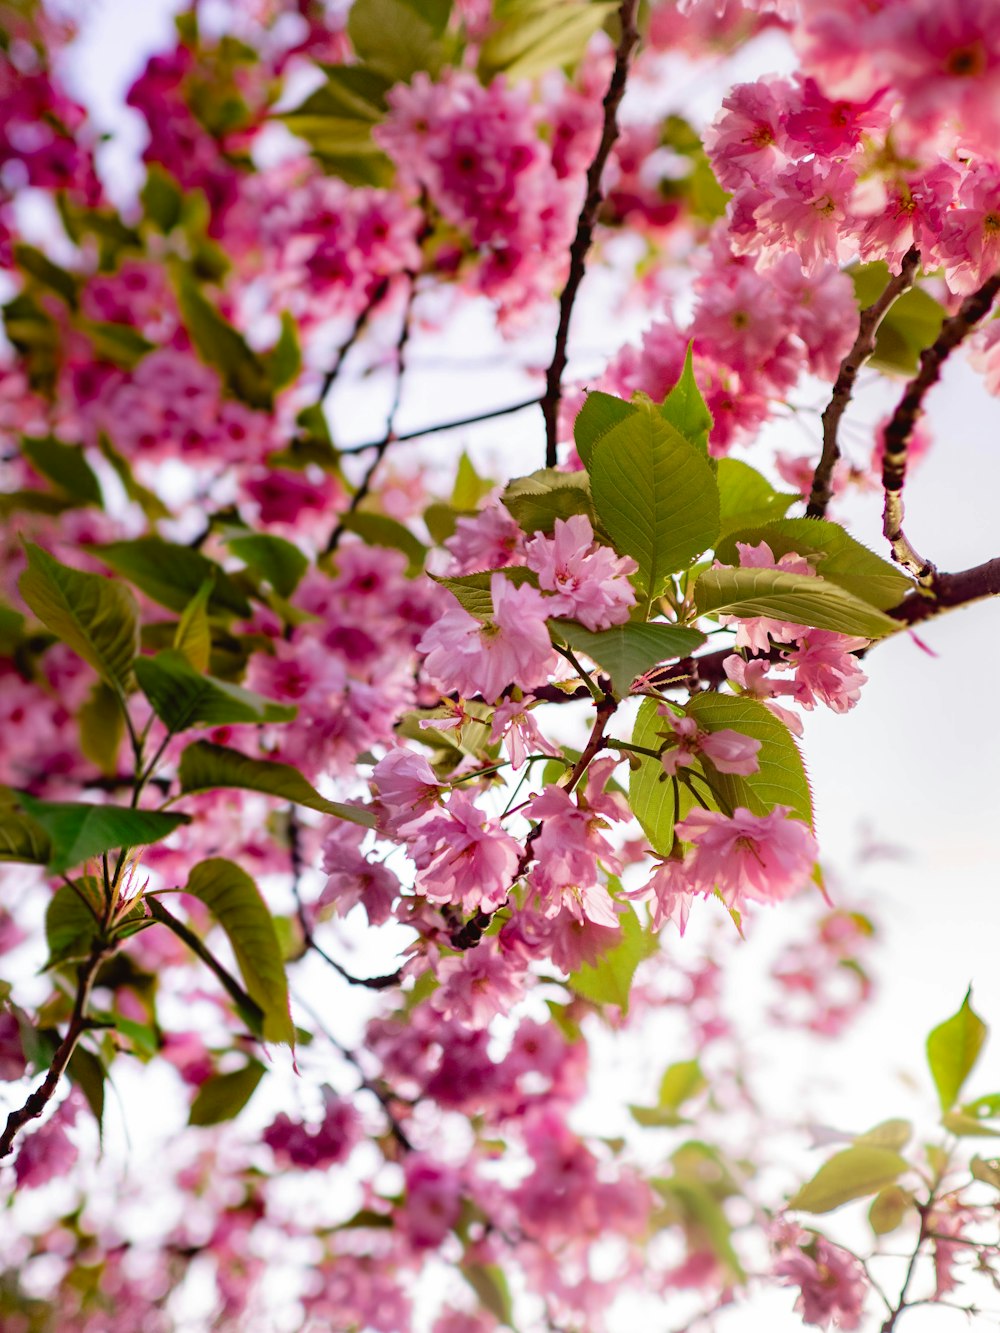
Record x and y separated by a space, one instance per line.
464 857
730 751
47 1152
832 1282
433 1200
756 632
355 877
590 581
315 1146
670 891
483 659
12 1062
477 984
406 786
513 723
826 669
489 540
567 852
763 858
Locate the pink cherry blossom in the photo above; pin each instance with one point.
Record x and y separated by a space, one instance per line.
477 658
590 581
669 890
832 1282
514 725
760 858
406 786
490 540
730 751
464 857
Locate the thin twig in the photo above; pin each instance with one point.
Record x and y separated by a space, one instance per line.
378 295
627 43
43 1094
901 1302
365 484
864 345
900 428
407 436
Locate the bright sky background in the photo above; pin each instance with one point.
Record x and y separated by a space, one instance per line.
917 762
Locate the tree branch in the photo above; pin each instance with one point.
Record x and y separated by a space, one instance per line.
390 425
864 345
43 1094
490 415
904 420
378 295
585 225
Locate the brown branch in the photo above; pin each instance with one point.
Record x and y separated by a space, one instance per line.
43 1094
904 420
390 425
378 295
585 225
950 591
407 436
864 345
892 1318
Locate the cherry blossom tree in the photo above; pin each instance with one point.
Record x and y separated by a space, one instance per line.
366 806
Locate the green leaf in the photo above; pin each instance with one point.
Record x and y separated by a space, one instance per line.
193 636
952 1051
629 650
396 38
610 981
204 767
162 198
223 1096
71 927
182 697
746 498
888 1209
686 409
489 1282
780 778
986 1171
380 530
21 839
38 266
833 553
120 344
600 413
894 1134
65 466
702 1211
680 1083
469 486
472 591
798 598
536 501
151 505
102 727
336 121
236 903
852 1174
171 574
656 496
284 360
967 1126
983 1108
441 521
912 323
94 616
79 831
243 372
278 561
533 36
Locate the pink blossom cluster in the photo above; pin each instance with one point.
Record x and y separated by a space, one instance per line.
477 157
314 1146
831 1281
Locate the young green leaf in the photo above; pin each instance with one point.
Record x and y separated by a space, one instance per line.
629 650
746 499
236 903
651 793
600 413
396 38
655 494
888 1209
204 767
536 501
71 927
193 636
96 617
102 728
686 409
380 530
223 1096
952 1051
610 980
278 561
65 466
181 697
78 831
472 591
243 372
172 574
22 839
533 36
832 552
852 1174
798 598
